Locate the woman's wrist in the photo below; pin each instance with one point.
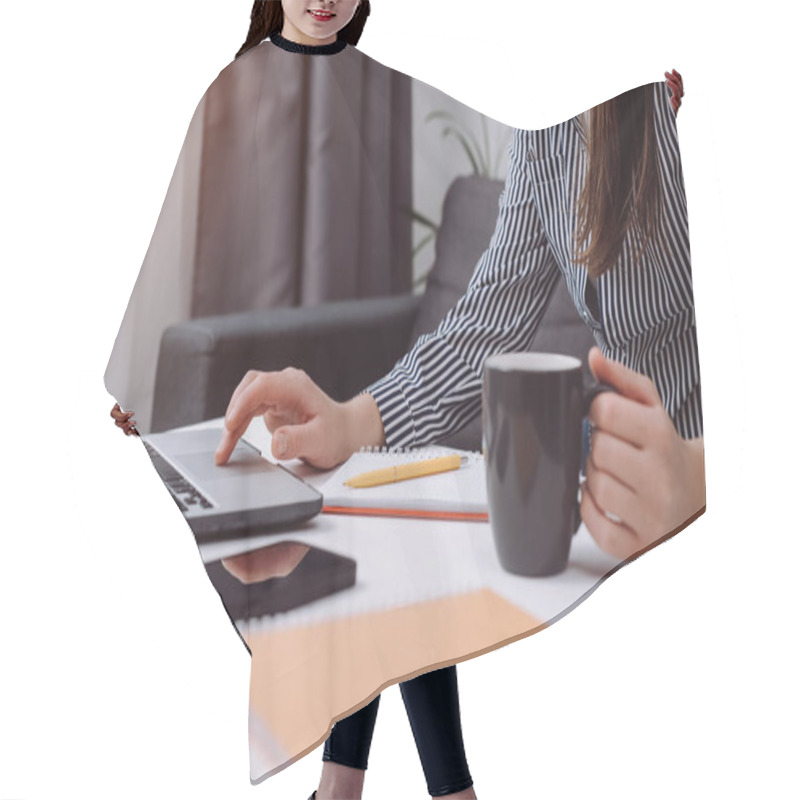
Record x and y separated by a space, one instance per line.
363 426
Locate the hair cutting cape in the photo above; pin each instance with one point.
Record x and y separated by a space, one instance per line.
312 196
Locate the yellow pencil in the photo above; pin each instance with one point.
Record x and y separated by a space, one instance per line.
404 472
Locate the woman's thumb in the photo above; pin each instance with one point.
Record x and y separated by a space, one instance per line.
626 381
287 442
300 441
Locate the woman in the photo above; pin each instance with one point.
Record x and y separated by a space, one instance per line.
598 201
645 477
320 28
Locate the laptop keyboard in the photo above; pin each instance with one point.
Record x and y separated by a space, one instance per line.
185 494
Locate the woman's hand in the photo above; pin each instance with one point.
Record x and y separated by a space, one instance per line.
124 420
643 481
675 84
304 422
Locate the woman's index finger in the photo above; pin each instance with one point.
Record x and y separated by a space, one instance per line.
245 403
265 391
227 444
249 377
268 391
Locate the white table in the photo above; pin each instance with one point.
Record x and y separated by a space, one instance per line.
379 545
427 594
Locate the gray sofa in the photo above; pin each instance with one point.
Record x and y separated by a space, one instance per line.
345 346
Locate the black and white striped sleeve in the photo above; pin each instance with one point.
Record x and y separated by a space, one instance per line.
668 352
435 389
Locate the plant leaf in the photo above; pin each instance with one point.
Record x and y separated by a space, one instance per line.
446 115
466 145
421 279
424 221
460 130
418 216
421 243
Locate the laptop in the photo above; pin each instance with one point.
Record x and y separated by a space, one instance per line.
247 496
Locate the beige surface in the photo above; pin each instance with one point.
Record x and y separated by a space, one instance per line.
303 679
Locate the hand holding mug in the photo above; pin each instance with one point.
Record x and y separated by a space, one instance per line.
643 481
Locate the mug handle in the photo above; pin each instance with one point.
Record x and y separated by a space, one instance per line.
589 394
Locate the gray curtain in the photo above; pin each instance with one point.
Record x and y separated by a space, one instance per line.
305 182
293 187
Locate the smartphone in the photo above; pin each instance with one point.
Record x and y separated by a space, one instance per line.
320 573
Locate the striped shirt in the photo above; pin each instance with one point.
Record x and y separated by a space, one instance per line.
642 313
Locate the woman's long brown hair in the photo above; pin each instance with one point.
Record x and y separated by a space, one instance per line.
622 190
266 19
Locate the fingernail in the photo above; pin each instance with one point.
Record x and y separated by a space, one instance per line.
280 444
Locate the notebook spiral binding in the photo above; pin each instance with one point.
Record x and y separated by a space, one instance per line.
416 453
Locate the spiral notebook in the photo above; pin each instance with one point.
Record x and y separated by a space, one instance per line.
456 495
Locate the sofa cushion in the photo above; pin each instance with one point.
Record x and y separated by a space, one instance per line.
469 216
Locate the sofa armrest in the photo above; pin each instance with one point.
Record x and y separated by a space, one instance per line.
343 346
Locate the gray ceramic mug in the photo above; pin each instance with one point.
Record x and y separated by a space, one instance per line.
534 405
